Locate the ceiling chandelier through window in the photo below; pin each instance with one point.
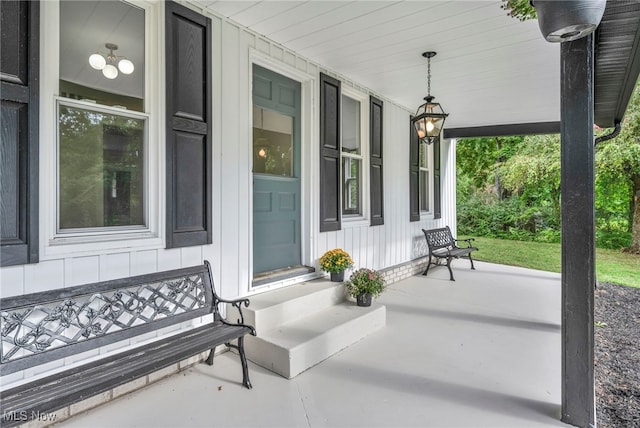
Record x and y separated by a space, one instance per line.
107 62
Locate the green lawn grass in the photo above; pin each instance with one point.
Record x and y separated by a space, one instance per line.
611 265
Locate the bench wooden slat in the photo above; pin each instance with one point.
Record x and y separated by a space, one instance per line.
77 384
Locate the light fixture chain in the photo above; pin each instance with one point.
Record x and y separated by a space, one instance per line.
429 76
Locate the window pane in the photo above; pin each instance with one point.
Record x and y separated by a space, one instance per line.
424 190
351 186
423 155
101 160
272 142
114 32
350 125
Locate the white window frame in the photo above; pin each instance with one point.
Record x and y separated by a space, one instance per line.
355 220
56 243
428 168
104 230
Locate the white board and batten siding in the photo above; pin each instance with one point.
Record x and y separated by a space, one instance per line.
396 242
234 50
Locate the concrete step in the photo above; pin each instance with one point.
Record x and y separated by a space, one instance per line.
293 347
273 308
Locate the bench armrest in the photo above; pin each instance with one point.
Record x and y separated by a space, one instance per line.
237 303
468 241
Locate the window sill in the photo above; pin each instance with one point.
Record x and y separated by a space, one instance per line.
95 245
355 221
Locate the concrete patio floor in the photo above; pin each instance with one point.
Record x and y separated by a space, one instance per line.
483 351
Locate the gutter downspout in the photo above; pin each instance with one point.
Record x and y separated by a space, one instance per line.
613 134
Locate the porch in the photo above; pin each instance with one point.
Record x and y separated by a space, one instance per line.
481 351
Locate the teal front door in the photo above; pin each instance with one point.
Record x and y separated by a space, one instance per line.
276 171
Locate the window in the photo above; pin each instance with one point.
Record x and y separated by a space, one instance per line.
272 142
425 183
351 157
424 177
101 168
351 179
102 127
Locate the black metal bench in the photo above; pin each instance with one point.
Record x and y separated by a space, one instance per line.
442 245
42 327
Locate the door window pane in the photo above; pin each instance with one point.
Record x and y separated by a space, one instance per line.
272 142
101 169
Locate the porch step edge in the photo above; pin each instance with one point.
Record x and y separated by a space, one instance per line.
270 310
294 347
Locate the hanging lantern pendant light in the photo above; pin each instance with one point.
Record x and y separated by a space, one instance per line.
429 118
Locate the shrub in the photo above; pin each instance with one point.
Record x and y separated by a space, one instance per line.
482 214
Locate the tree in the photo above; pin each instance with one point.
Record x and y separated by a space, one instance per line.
618 164
533 172
480 160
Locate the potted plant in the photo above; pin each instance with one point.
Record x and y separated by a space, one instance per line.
365 284
335 262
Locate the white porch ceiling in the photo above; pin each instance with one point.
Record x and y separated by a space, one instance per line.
490 69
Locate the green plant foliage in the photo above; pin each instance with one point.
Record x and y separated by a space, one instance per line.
618 180
365 281
480 158
483 214
519 9
510 187
336 260
533 172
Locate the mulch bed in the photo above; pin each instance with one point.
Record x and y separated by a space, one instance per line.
617 356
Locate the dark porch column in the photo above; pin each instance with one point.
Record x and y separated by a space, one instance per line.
578 232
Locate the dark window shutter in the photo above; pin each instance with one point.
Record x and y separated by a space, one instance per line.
330 94
188 59
436 180
414 173
19 67
375 161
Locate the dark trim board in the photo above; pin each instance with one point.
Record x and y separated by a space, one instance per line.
330 146
578 232
534 128
414 173
189 127
19 145
376 164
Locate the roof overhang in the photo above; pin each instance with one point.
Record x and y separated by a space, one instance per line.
617 60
